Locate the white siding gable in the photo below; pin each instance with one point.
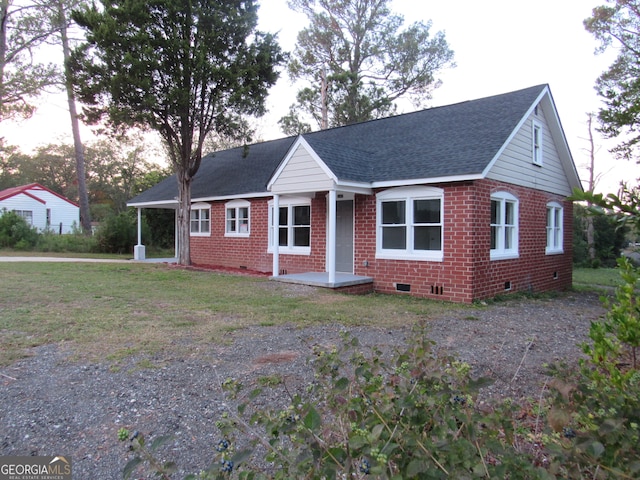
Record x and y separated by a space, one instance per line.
62 212
515 163
25 202
302 171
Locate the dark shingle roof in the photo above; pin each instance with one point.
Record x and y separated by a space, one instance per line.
228 173
454 140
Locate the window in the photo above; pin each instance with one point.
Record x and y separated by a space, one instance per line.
504 226
294 233
26 214
536 140
410 223
554 228
237 218
200 219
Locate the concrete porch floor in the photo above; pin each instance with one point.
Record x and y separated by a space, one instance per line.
321 279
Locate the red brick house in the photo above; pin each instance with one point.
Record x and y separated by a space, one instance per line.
458 203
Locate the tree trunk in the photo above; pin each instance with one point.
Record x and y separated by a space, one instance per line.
83 197
591 243
184 218
4 20
324 87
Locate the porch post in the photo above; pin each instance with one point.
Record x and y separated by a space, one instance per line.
139 250
331 247
276 235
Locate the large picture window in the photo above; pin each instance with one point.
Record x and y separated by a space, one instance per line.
294 226
200 219
554 228
410 223
504 226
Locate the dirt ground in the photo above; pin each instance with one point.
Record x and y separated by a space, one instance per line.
52 405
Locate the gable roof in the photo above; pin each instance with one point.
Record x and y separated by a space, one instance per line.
31 190
453 142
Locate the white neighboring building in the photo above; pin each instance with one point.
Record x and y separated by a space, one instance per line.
41 208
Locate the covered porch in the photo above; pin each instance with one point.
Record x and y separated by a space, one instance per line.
304 174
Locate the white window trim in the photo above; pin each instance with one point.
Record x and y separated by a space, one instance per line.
536 150
236 205
501 253
27 215
408 195
555 249
200 206
288 202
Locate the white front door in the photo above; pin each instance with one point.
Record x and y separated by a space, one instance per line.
344 236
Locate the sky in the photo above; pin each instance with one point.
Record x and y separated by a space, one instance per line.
499 45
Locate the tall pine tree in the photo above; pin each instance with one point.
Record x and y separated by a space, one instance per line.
358 59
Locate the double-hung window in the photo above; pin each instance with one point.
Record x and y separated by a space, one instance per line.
504 226
26 214
554 228
536 143
410 223
237 218
200 219
294 226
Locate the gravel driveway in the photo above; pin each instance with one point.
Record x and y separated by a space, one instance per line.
54 406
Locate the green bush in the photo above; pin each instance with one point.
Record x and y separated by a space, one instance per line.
412 415
117 234
74 242
600 403
15 232
609 239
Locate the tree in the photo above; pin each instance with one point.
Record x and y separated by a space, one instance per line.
618 24
624 207
37 23
50 165
23 28
592 185
359 60
184 69
608 238
61 22
115 167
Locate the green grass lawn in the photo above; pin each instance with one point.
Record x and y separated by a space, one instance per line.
596 277
113 310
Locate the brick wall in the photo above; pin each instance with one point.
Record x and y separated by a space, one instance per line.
534 270
466 272
251 252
